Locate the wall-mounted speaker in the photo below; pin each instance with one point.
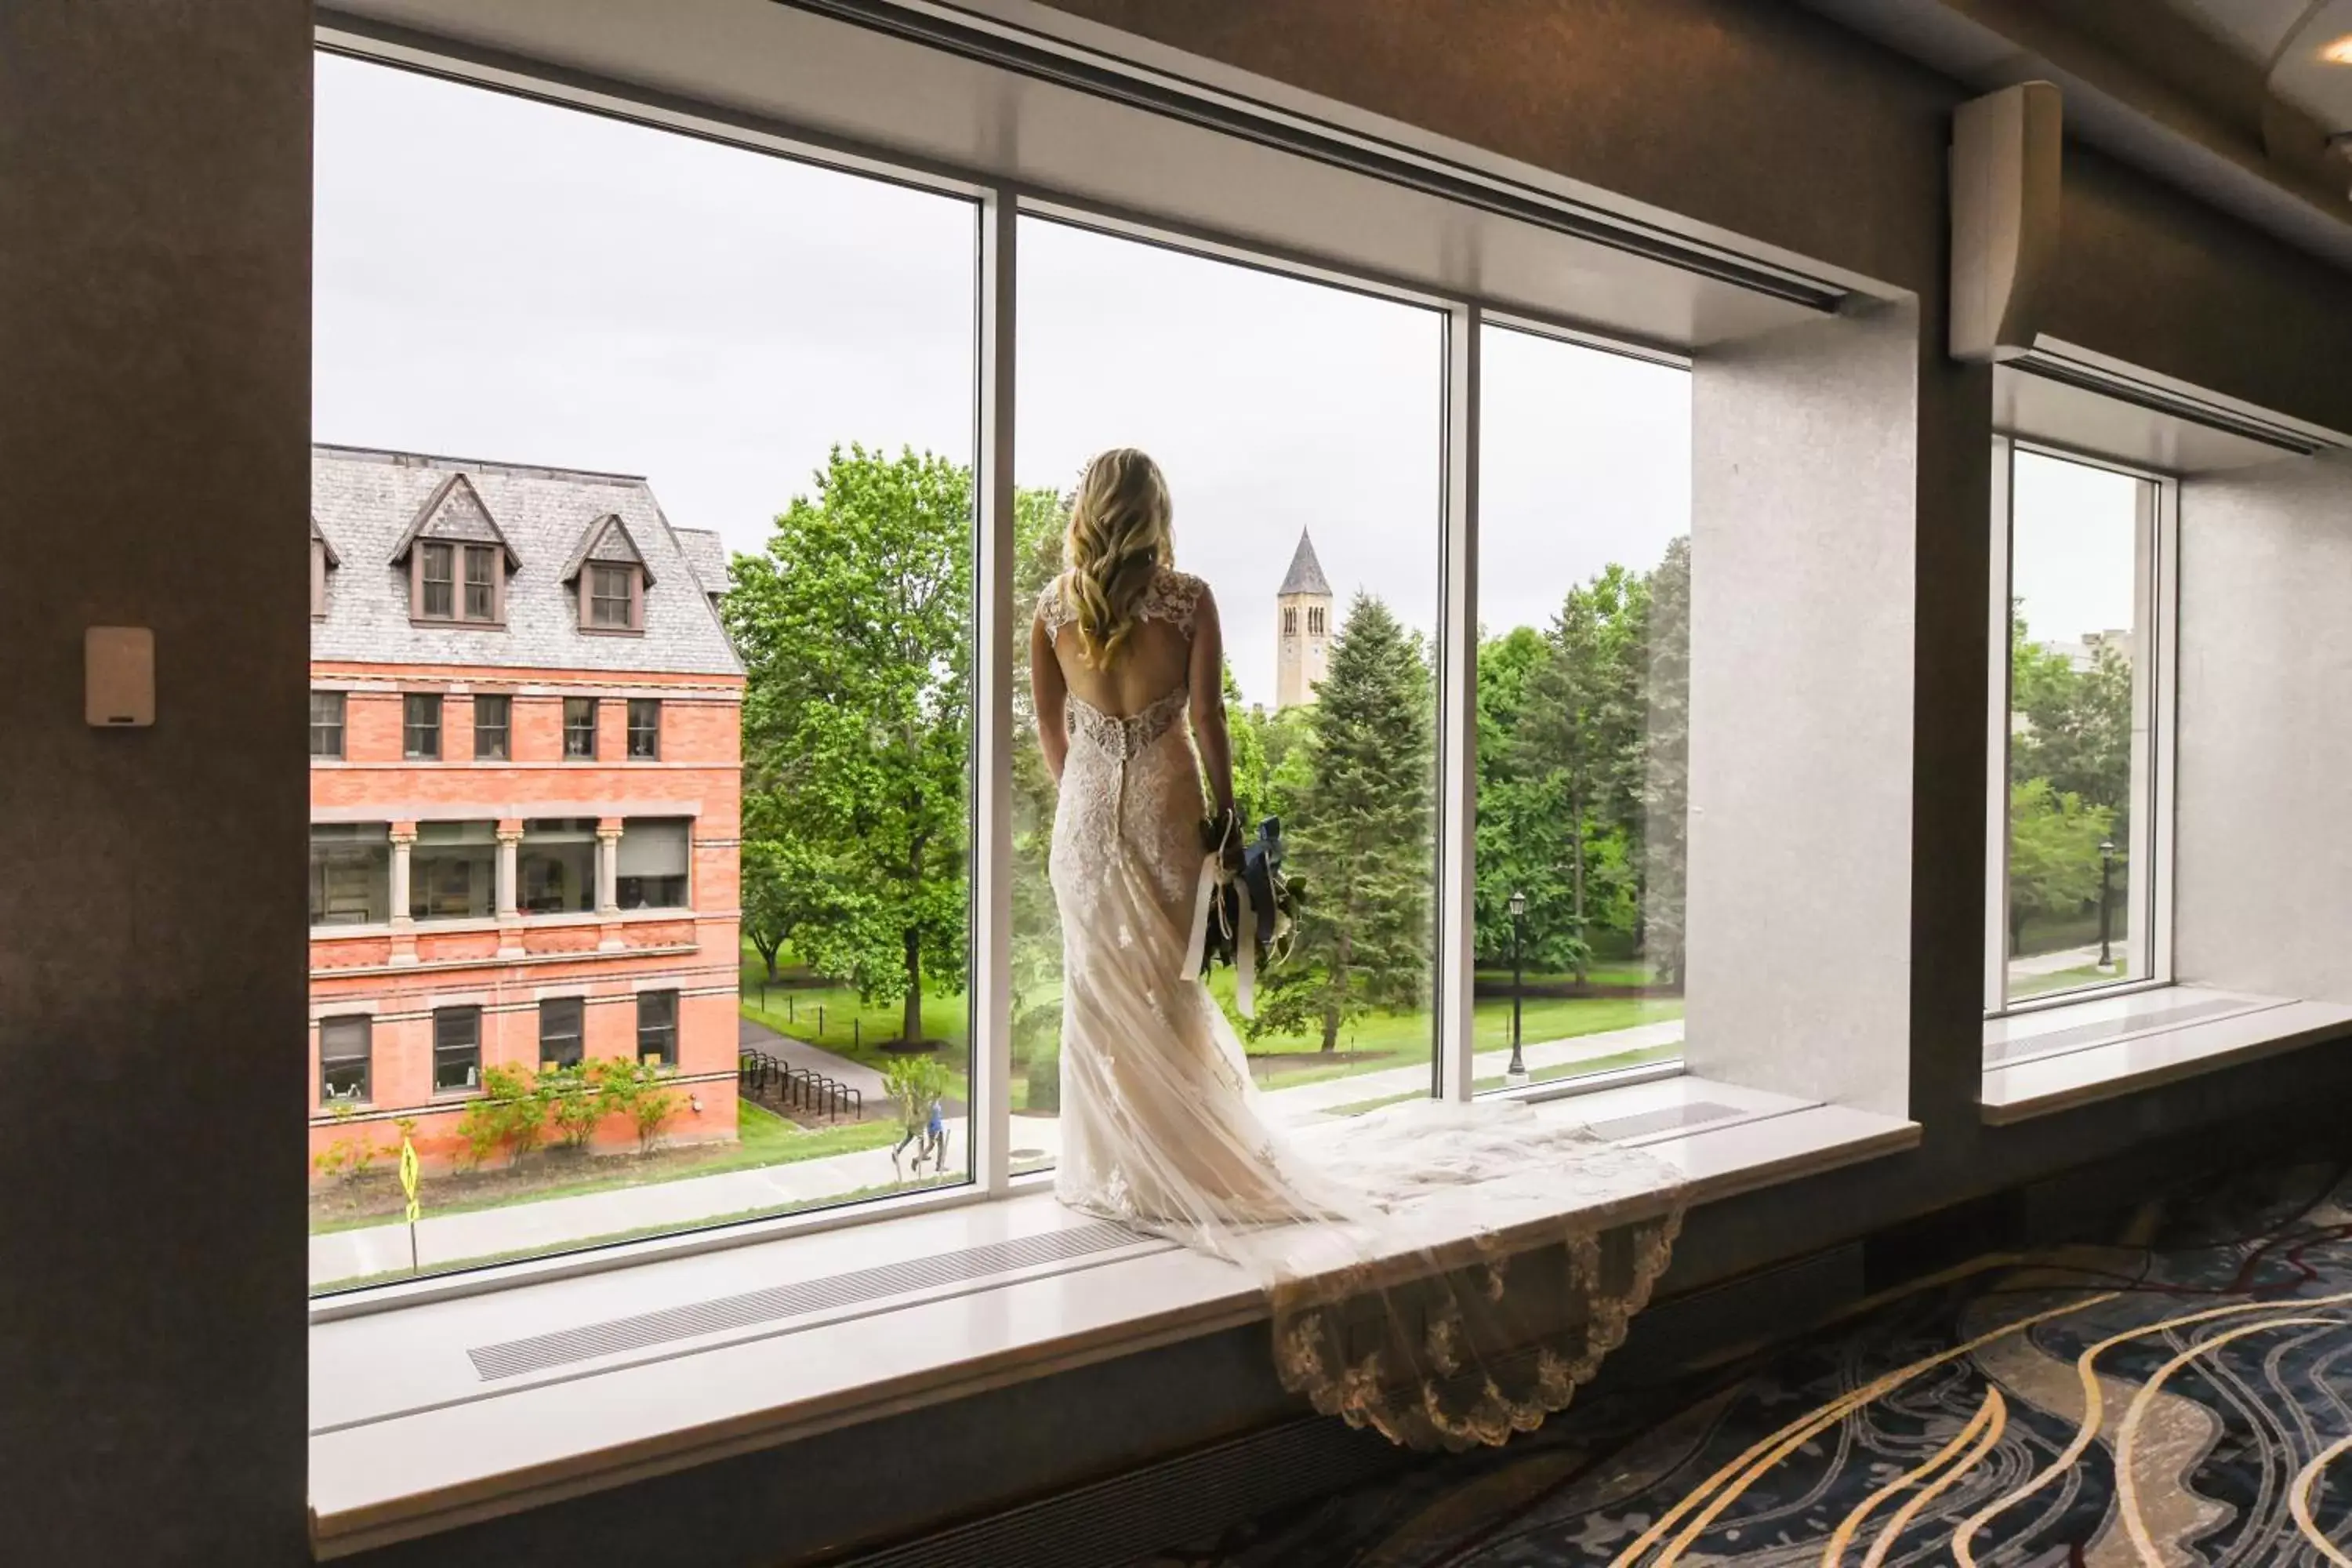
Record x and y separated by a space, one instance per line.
2006 166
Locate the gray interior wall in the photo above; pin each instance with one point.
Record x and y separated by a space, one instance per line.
155 324
1804 490
2263 885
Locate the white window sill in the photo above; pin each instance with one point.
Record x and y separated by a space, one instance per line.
2057 1057
409 1436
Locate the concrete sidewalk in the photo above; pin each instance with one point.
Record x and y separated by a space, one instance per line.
549 1224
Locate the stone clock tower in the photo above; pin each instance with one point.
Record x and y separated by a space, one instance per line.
1302 621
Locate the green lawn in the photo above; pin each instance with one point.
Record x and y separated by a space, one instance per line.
2088 975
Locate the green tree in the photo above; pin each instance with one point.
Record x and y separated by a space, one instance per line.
1522 838
2077 729
1576 753
1039 518
1662 781
855 632
1362 835
2053 853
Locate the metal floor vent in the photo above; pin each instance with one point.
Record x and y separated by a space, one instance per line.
2058 1041
1697 1113
541 1352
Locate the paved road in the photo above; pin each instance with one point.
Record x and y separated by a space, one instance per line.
557 1222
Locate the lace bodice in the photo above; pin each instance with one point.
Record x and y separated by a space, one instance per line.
1173 597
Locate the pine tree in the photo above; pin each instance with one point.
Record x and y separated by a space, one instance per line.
1361 842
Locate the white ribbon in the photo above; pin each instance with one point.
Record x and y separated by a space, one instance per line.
1245 933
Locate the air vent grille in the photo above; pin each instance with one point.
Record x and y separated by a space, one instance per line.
2058 1042
1674 1118
778 1303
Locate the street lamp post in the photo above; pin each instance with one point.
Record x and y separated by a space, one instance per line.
1516 1075
2107 899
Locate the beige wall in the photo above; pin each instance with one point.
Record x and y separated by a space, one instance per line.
154 467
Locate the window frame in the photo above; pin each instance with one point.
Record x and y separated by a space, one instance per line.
592 705
340 726
411 728
502 705
594 597
668 1053
558 1009
365 1058
651 730
2157 598
442 1052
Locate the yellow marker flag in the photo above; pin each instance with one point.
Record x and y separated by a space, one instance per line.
409 1178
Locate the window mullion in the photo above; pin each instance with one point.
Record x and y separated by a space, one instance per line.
1458 715
991 926
2163 498
1999 698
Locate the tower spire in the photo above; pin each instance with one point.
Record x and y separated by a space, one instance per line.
1305 573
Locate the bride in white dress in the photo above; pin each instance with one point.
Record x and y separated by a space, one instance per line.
1446 1273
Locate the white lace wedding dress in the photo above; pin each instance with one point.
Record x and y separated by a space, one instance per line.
1445 1274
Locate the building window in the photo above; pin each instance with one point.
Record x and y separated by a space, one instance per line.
493 717
350 873
650 871
327 724
657 1027
645 729
420 725
344 1053
457 1049
1581 845
481 583
1315 621
556 866
439 600
579 728
318 579
1290 621
612 598
560 1032
2076 869
453 871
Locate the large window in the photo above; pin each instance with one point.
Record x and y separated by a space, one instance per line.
452 871
2079 856
1583 708
644 287
1301 428
350 873
651 866
556 866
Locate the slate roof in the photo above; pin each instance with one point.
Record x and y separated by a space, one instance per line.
706 554
370 503
1305 574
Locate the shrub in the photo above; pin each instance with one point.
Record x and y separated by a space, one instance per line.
575 1102
347 1159
510 1113
636 1090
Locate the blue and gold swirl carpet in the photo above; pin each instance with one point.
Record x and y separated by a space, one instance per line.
2185 1400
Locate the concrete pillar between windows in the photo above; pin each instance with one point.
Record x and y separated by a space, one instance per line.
510 916
608 893
404 928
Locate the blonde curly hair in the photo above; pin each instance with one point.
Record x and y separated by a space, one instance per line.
1119 538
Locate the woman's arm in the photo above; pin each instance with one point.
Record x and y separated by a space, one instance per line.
1208 682
1047 691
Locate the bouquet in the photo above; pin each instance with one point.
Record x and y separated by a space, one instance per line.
1247 913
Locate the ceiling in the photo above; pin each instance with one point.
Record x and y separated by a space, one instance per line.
2285 38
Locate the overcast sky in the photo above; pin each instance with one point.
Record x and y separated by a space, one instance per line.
503 280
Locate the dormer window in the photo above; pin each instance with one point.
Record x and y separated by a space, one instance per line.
609 574
324 560
612 598
458 560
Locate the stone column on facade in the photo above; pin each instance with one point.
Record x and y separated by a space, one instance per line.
608 879
404 928
510 915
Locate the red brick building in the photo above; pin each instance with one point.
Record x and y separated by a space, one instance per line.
524 792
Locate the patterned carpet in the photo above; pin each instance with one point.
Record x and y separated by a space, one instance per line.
2181 1396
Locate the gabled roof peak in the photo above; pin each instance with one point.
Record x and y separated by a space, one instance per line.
607 539
1305 573
454 511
